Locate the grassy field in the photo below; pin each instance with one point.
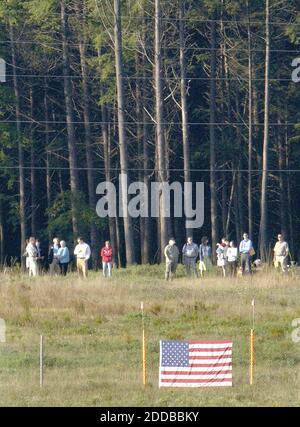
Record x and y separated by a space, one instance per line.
92 333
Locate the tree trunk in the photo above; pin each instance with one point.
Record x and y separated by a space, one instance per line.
289 190
146 221
282 177
238 166
224 178
20 148
1 234
32 171
213 183
230 204
107 153
74 181
128 230
263 229
88 145
184 109
48 155
250 131
160 135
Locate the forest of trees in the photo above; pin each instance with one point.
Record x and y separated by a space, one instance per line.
160 90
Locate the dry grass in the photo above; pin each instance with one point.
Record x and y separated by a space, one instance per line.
92 333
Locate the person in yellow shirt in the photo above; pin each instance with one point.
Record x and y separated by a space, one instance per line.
281 253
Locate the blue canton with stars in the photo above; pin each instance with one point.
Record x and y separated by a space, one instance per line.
175 353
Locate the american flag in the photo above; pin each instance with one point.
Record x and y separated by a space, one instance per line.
195 363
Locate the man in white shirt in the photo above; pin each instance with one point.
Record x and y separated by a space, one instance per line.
281 253
232 256
32 254
82 252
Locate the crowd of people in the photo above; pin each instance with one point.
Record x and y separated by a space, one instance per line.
196 259
58 258
229 256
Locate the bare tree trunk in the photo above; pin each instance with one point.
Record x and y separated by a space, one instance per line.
250 125
263 229
282 177
289 191
160 135
238 166
224 203
128 230
74 181
146 221
107 154
139 102
1 234
48 154
20 147
32 171
230 204
88 144
108 178
213 183
184 108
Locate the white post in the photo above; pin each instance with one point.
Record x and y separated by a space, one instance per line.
41 362
2 71
2 330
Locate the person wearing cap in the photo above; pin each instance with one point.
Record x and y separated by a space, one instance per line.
171 253
82 252
189 256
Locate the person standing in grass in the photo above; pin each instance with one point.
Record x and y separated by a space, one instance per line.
172 254
246 251
232 256
82 252
189 256
222 255
32 255
63 256
53 260
25 254
204 256
40 256
106 254
281 253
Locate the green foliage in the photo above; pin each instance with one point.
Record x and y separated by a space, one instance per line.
60 215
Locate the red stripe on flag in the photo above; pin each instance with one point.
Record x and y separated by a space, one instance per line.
213 380
195 372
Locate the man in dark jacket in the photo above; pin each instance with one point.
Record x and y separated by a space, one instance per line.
172 254
189 256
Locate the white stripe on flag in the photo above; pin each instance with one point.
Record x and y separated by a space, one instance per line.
210 353
211 369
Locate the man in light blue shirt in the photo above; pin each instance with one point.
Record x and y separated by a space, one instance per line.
245 249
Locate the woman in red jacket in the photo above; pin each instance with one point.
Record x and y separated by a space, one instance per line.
106 254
